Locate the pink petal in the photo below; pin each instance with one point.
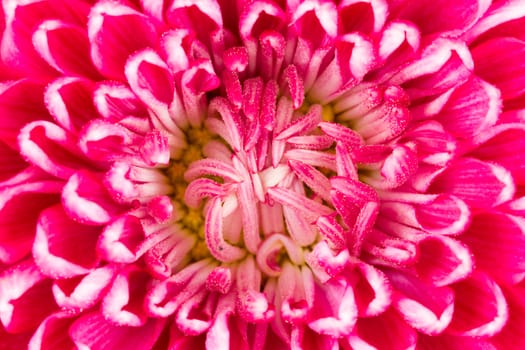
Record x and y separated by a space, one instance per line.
443 64
442 260
150 79
9 341
11 163
395 335
373 292
444 341
92 331
442 15
316 22
363 16
69 101
64 47
480 308
496 63
502 20
21 102
86 200
505 145
334 312
53 333
498 243
124 300
472 107
51 148
426 308
20 207
446 215
120 240
115 32
218 246
310 208
82 292
511 336
479 184
62 247
104 141
202 16
434 144
116 102
25 297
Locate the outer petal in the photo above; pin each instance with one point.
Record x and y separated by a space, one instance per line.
395 333
20 207
53 333
115 32
62 247
498 243
25 297
21 102
479 184
496 62
480 308
442 15
92 331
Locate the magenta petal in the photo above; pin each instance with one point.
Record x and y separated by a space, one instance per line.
11 162
450 342
363 16
511 336
115 32
442 260
505 145
124 302
396 334
442 15
445 214
51 148
87 201
373 292
92 331
496 62
25 297
498 243
120 240
69 101
21 102
62 247
82 292
64 47
53 333
480 308
20 207
116 101
472 107
150 78
426 308
479 184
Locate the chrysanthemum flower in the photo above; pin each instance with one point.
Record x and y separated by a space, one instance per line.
217 174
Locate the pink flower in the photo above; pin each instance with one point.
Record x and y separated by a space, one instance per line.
262 175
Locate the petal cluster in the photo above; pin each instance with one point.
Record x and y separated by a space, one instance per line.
216 174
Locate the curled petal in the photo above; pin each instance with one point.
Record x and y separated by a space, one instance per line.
497 241
25 297
93 331
427 309
63 247
488 320
64 47
479 184
115 32
82 292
